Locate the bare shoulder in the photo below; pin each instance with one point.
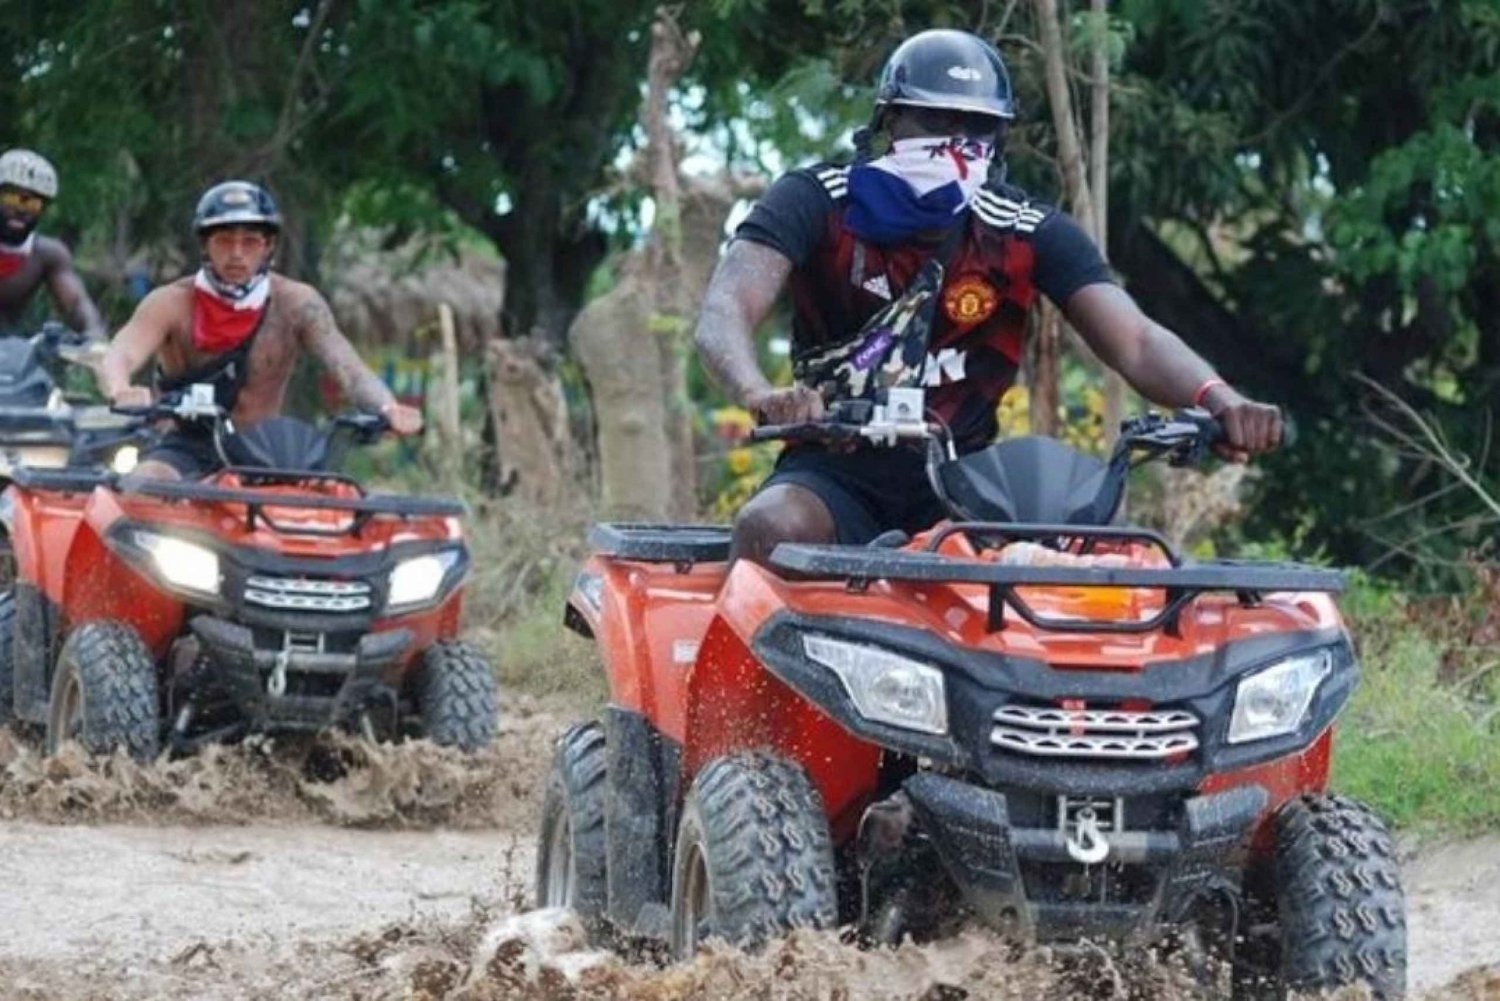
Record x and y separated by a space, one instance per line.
53 252
303 304
174 295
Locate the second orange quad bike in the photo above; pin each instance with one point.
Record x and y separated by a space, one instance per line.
1028 715
274 596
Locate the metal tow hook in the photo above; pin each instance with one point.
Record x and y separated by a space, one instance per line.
1087 844
276 683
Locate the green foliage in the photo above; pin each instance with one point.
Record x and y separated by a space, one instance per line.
1423 750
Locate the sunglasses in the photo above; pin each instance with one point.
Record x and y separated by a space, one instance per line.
22 201
946 122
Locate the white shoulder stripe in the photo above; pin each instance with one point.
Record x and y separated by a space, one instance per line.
996 201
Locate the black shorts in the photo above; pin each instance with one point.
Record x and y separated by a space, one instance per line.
192 454
868 491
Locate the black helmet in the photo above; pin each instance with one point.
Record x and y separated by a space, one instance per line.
236 203
943 68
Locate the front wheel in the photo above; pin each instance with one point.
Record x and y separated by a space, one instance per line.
456 697
754 858
104 693
1338 902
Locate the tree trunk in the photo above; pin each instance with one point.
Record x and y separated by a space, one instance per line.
671 52
1114 386
632 340
530 418
612 340
1045 371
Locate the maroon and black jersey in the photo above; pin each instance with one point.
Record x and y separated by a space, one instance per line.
1011 249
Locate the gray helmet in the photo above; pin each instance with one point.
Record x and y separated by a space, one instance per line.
236 203
21 168
943 68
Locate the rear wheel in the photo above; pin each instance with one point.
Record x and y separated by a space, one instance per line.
456 697
7 656
104 693
571 869
753 857
1338 903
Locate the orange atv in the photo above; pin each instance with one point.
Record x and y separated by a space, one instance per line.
1029 715
273 596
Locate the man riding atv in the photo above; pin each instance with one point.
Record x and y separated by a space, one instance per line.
239 327
918 267
29 260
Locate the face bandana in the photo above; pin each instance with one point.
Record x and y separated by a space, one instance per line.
13 259
225 315
919 186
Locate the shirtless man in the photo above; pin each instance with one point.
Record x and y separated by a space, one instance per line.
239 327
29 260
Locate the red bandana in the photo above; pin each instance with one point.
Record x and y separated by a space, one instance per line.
12 261
218 326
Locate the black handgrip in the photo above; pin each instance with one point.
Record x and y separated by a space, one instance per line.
806 431
366 428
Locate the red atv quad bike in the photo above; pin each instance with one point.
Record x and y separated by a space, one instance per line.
273 596
1028 715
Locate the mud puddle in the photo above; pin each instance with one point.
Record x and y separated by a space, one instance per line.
312 911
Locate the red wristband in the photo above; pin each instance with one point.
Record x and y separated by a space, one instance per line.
1203 390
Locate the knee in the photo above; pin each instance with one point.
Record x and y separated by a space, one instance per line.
153 469
780 514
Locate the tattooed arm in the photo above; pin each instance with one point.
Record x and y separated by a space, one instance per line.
740 295
321 336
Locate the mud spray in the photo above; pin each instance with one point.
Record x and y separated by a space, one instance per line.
237 875
331 779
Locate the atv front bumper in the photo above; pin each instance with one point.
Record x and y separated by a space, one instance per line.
297 689
1025 879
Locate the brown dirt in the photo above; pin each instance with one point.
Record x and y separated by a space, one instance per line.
236 875
334 780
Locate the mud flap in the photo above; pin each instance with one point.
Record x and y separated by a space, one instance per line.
640 815
34 652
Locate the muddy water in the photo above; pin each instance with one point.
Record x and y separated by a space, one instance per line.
346 871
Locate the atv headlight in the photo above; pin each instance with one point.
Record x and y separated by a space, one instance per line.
1271 702
184 565
884 686
417 579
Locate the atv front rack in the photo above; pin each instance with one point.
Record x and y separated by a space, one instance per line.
255 501
1181 582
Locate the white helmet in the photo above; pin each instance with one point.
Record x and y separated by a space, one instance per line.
21 168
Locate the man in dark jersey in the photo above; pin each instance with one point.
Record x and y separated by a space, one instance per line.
239 327
29 260
860 246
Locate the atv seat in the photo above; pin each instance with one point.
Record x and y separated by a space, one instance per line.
661 543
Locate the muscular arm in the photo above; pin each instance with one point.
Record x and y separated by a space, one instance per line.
72 298
136 342
321 336
740 295
1155 361
1166 371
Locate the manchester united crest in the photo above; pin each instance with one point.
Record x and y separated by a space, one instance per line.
970 300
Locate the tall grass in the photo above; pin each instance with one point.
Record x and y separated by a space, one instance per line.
1421 740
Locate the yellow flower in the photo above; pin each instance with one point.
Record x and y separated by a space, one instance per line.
739 460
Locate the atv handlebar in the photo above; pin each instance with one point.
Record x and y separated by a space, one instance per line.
186 407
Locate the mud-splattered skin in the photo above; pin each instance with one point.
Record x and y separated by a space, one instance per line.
49 264
297 319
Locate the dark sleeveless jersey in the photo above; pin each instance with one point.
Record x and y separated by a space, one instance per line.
1011 249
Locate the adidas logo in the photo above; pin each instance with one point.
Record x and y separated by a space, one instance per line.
879 286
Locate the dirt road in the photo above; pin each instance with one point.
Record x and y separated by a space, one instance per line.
258 886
